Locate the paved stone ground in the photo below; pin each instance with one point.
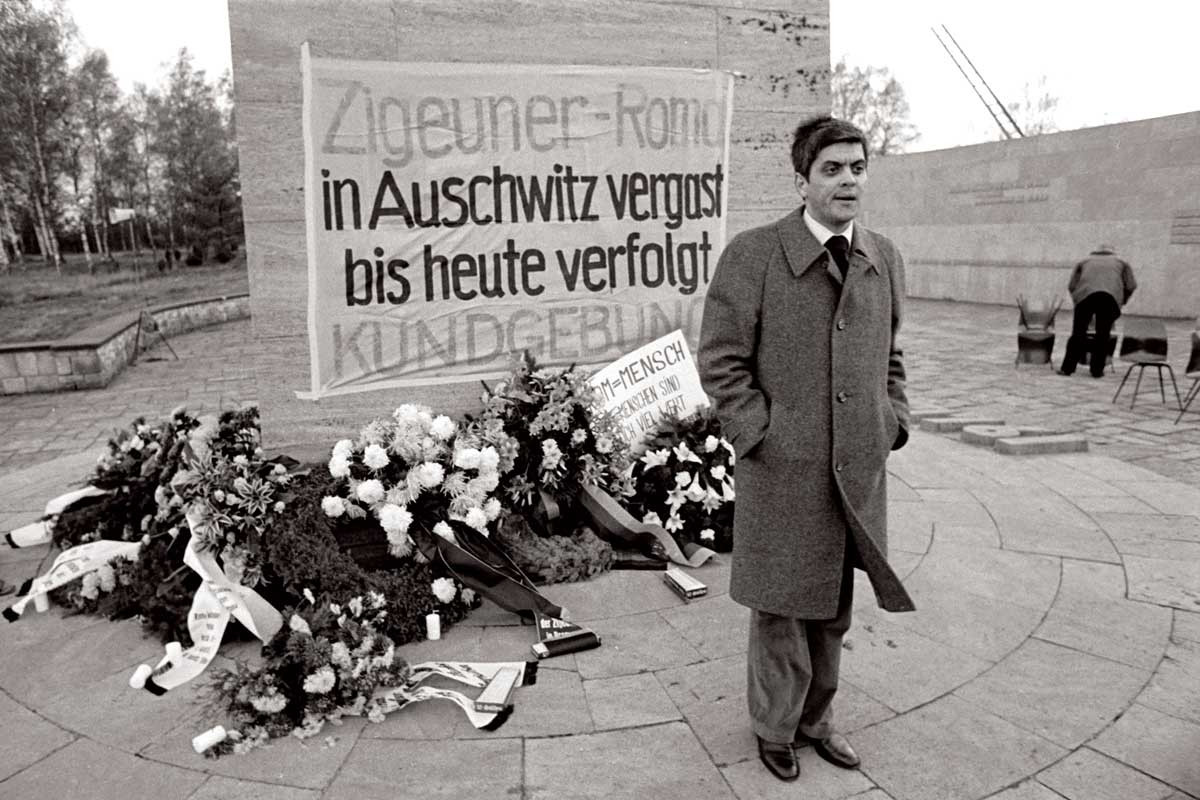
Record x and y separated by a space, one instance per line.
1055 652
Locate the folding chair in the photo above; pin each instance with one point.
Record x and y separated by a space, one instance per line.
1144 344
1035 332
1193 372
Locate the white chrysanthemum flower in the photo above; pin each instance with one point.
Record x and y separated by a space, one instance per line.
340 655
279 506
339 467
489 459
333 506
297 624
492 508
356 608
488 481
578 436
90 588
467 458
395 519
279 469
430 474
711 444
444 530
400 544
375 457
468 595
551 455
442 427
107 577
477 518
708 534
406 413
270 703
652 519
682 479
370 491
321 681
444 590
604 444
343 449
718 472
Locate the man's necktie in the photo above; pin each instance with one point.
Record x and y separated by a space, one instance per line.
839 248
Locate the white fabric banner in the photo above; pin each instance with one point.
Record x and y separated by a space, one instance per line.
459 214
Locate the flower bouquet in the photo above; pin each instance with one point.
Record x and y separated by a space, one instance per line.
554 443
303 553
684 482
414 472
322 665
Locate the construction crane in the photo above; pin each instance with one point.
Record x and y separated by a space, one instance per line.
992 105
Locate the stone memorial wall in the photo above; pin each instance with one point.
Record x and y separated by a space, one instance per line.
988 222
779 50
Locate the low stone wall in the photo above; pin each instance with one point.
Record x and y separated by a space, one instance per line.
91 358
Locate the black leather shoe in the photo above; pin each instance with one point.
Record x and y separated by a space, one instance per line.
836 750
780 759
1060 372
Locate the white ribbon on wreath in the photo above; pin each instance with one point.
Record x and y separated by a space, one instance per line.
216 600
71 565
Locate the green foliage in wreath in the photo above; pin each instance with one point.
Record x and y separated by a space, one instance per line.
551 435
553 559
301 552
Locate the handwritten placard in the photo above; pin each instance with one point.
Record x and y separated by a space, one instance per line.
657 380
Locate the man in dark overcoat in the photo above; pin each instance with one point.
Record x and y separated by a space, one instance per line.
798 351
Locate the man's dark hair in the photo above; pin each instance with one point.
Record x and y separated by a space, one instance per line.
814 135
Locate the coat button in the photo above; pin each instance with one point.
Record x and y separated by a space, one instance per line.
841 324
838 467
841 397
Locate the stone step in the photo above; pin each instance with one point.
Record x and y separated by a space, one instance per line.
987 435
955 424
920 413
1042 445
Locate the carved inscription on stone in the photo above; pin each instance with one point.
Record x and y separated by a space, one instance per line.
1185 227
990 193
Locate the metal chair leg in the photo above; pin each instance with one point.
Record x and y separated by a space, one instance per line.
1162 390
1137 386
1187 399
1122 386
1171 372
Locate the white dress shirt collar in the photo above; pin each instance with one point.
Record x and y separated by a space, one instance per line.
822 233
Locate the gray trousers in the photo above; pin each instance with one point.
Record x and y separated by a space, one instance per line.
792 670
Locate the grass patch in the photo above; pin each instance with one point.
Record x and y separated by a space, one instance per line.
36 302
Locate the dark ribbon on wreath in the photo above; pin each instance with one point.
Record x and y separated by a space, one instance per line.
479 563
604 515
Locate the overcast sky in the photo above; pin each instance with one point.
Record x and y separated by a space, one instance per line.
1106 62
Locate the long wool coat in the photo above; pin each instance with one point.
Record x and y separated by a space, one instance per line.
808 383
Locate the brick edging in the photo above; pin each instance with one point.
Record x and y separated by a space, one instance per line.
91 358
